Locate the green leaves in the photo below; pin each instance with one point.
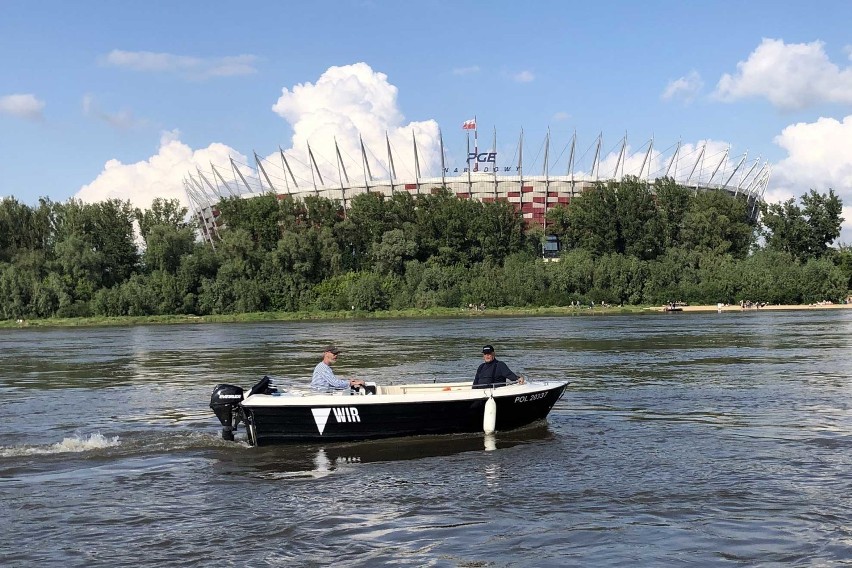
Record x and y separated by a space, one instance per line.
805 232
626 242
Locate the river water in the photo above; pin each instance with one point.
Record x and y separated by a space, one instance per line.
683 439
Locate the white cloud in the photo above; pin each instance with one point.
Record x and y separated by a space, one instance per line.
685 88
473 69
561 115
121 120
524 77
23 106
186 66
346 102
790 76
817 158
160 176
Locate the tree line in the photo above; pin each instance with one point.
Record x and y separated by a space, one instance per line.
625 242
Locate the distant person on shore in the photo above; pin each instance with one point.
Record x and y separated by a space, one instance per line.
323 378
493 373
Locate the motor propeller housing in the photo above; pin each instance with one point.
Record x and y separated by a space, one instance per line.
224 401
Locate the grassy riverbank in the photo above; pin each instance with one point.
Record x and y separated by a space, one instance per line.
320 315
391 314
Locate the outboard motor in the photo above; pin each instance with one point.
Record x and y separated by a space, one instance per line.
224 401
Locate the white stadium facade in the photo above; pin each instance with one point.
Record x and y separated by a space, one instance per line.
483 175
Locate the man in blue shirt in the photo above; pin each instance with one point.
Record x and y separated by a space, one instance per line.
493 373
324 379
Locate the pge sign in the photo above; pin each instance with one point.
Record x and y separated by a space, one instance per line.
482 157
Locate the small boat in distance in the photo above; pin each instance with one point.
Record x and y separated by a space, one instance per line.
379 411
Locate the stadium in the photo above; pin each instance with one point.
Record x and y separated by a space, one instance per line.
556 173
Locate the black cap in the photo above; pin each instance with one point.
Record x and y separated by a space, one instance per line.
331 349
487 349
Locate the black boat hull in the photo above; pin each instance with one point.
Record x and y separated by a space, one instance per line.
364 418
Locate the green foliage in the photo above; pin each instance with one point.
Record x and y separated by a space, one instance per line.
367 293
717 224
623 243
167 212
166 245
805 232
257 216
843 260
592 223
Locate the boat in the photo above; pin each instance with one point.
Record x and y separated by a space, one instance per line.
272 416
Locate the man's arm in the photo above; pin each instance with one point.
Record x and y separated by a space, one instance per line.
324 378
507 373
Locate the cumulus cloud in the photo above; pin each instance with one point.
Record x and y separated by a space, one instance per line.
817 158
23 106
186 66
346 103
161 175
685 88
524 77
790 76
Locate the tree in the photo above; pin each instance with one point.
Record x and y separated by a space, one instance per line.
805 232
391 253
258 216
843 259
639 223
718 224
167 212
592 222
673 202
22 227
166 245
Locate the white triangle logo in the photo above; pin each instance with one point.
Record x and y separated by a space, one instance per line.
321 418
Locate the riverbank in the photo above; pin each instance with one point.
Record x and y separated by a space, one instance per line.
738 308
390 314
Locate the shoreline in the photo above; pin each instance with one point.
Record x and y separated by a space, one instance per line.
397 314
769 307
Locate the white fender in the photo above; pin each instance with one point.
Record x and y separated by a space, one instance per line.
490 442
489 418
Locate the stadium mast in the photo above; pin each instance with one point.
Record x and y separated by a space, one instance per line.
239 173
416 162
286 165
391 168
368 175
443 167
571 160
314 167
494 169
596 163
341 166
261 168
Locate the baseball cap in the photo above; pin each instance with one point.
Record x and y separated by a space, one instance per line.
331 349
487 349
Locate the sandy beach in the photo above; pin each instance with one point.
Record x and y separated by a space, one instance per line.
737 308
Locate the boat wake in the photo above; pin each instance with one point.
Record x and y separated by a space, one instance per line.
75 444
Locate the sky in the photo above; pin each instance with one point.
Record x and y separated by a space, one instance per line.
110 99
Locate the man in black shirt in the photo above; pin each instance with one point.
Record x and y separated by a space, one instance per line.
493 373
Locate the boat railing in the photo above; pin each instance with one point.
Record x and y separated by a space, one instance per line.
423 388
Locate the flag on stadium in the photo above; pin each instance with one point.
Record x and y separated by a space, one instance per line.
469 124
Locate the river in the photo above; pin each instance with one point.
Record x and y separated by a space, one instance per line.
697 439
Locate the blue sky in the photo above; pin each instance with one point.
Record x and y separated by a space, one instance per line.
120 99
